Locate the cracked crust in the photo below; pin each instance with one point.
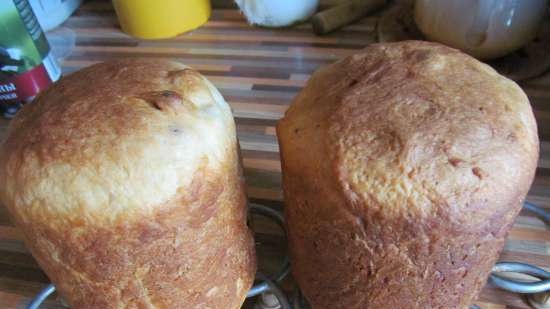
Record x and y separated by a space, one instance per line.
404 167
125 180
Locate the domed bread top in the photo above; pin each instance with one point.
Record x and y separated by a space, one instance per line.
113 140
414 129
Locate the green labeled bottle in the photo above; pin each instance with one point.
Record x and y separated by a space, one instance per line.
27 65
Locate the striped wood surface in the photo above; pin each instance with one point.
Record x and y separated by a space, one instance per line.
259 71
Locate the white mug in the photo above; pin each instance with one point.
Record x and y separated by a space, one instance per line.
483 28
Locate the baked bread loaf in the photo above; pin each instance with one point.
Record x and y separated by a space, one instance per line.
404 167
126 182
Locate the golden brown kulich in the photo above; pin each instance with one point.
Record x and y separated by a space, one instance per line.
404 167
126 182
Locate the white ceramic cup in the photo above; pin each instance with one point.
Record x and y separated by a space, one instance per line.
483 28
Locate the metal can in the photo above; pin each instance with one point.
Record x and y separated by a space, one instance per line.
27 65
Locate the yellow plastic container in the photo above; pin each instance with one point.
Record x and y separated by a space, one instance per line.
157 19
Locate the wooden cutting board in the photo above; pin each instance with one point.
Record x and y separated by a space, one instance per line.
259 71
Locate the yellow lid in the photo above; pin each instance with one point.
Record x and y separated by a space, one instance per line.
156 19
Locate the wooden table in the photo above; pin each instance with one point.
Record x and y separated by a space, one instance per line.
259 71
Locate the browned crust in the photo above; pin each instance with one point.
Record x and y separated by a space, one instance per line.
196 252
94 108
394 195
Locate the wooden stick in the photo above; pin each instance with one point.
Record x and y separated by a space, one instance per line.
326 4
343 14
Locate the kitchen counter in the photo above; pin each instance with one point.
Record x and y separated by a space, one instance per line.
259 71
